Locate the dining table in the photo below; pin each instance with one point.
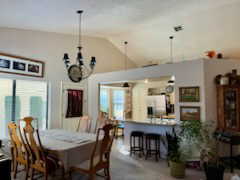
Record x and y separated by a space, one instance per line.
71 148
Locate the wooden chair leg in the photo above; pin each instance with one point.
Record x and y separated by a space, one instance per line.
27 172
32 172
13 159
15 169
105 172
109 177
45 176
63 172
69 175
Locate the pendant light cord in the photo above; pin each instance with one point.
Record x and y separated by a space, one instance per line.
171 48
125 43
80 29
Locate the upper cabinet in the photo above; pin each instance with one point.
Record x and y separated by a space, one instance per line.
228 104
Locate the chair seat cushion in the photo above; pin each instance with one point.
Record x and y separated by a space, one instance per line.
137 133
153 135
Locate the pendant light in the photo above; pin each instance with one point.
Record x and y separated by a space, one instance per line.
79 70
125 85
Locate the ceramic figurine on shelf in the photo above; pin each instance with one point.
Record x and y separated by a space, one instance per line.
219 56
211 54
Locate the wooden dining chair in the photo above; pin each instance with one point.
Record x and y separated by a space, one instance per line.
100 157
84 124
20 155
102 120
40 161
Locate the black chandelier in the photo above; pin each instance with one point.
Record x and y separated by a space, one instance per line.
79 70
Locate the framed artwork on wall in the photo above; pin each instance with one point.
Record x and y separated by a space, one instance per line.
189 113
21 66
189 94
75 103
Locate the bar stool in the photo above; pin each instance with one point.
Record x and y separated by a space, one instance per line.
136 147
153 149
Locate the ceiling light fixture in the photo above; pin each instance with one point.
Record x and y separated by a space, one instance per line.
126 85
171 48
79 71
171 82
178 28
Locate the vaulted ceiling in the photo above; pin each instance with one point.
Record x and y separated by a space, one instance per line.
145 24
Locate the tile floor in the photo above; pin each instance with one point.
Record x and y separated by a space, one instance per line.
124 167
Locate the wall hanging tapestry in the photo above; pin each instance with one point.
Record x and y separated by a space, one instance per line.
75 103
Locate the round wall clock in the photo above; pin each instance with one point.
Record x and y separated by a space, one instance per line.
169 89
75 73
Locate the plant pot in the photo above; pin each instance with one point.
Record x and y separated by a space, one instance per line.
214 171
177 169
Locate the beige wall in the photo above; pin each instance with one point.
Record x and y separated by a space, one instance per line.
50 47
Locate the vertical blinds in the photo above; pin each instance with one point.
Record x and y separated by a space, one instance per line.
19 99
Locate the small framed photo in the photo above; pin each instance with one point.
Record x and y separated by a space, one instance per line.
189 94
33 68
4 63
21 66
189 113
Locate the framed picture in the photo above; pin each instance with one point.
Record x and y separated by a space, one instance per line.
21 66
189 113
189 94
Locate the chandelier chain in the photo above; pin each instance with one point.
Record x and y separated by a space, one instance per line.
80 30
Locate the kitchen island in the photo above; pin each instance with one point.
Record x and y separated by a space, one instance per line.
150 126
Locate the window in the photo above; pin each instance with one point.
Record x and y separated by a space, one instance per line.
104 100
19 99
118 104
6 87
112 101
31 100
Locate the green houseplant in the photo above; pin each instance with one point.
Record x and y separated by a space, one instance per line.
213 166
180 146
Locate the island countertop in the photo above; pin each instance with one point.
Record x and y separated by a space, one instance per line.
157 126
163 122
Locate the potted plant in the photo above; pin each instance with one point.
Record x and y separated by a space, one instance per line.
175 159
213 167
180 146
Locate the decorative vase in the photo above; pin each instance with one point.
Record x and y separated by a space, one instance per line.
177 169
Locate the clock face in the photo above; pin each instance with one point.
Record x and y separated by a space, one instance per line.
75 73
169 89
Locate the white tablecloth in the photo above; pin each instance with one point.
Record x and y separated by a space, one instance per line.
70 147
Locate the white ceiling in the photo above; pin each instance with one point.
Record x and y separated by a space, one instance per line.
146 24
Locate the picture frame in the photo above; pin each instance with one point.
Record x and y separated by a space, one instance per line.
189 113
189 94
18 65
